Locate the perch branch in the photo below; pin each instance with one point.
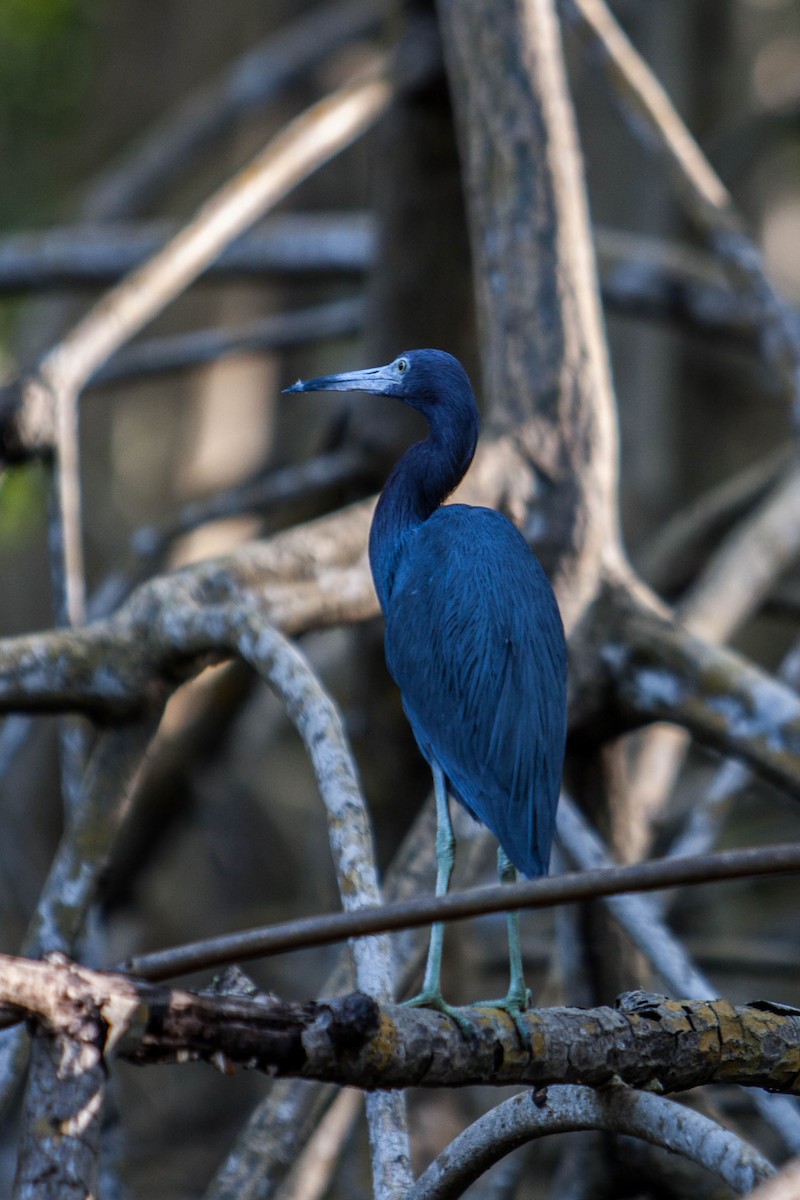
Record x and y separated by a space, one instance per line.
647 1041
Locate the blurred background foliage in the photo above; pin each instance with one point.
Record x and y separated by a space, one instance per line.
47 58
228 830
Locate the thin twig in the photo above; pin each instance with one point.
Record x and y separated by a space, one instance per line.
538 893
157 356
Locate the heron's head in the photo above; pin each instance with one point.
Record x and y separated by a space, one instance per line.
427 380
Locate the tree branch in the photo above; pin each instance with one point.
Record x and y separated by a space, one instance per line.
350 835
407 914
89 255
705 198
133 183
647 1041
614 1110
546 375
660 672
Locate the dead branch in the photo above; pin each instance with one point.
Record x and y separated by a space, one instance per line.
250 83
76 256
661 672
647 1040
705 198
614 1110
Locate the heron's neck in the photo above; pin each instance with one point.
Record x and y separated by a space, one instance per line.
420 482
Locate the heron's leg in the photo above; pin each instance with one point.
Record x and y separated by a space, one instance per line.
445 860
518 993
431 994
518 997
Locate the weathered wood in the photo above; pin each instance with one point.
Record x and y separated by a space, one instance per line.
647 1040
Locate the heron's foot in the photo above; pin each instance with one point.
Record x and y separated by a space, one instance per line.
515 1004
434 999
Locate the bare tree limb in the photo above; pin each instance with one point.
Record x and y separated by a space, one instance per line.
77 869
641 918
648 1041
253 80
301 148
660 672
90 255
642 277
638 915
350 836
263 492
275 1132
720 599
546 373
310 576
310 1177
614 1110
705 198
706 817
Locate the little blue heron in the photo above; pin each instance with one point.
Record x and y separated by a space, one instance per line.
473 639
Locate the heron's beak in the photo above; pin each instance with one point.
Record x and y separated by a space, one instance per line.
380 381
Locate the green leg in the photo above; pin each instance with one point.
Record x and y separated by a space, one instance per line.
518 994
431 994
518 997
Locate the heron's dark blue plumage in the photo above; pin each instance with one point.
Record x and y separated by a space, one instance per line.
474 641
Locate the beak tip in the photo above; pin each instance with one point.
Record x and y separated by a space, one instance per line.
297 386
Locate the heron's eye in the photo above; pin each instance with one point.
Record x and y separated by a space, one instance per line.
402 365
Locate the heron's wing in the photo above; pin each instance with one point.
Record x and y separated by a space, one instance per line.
474 640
